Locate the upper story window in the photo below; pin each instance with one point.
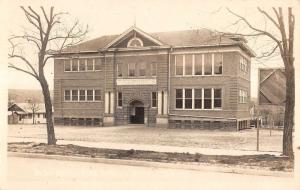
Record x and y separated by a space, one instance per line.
119 70
243 64
188 65
199 64
218 63
82 64
135 42
179 64
207 64
75 65
142 69
131 69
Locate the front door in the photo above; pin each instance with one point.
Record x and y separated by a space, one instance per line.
139 115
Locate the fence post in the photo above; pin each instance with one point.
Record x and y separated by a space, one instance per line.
257 134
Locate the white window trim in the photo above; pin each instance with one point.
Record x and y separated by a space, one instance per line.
202 99
78 64
152 99
222 58
118 100
78 94
69 95
202 64
135 38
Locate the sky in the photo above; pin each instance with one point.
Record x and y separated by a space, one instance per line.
114 17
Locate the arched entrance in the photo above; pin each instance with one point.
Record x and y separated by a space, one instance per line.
136 112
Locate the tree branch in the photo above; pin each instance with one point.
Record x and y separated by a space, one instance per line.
22 70
259 30
269 17
267 54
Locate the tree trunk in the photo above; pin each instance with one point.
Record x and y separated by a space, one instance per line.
48 107
289 112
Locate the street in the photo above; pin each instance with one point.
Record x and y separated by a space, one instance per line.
42 174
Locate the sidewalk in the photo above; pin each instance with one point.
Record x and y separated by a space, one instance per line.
156 148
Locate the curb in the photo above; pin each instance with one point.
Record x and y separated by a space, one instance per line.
155 164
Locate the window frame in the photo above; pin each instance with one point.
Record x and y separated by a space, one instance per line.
181 98
154 99
130 69
214 98
176 64
120 100
214 64
99 95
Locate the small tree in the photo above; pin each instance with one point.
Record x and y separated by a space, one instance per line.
46 34
34 107
282 36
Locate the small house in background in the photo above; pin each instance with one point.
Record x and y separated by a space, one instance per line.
26 113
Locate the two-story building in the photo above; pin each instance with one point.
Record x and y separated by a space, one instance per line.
192 78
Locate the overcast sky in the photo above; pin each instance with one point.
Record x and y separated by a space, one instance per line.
114 17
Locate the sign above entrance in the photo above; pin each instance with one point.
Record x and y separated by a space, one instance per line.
136 81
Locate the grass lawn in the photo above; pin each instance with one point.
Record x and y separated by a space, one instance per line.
262 162
241 140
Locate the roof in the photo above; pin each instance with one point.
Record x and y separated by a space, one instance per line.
272 86
184 38
26 108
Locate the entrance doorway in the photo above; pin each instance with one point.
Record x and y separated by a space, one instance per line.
137 112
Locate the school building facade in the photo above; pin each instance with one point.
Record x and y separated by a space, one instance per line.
192 78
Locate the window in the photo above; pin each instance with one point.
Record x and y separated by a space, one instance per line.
207 98
81 64
243 96
243 64
179 98
217 98
82 95
198 64
142 69
218 62
208 64
90 64
153 69
198 99
97 95
120 99
74 95
89 95
154 99
131 69
119 69
67 95
188 64
135 42
97 64
188 99
75 64
67 64
179 64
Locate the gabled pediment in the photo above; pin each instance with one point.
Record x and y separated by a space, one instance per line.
134 37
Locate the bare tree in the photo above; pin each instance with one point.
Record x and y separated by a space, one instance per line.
47 33
34 107
282 36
